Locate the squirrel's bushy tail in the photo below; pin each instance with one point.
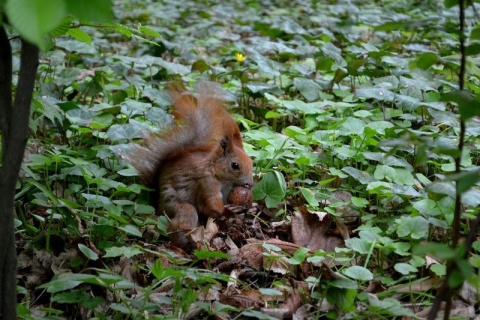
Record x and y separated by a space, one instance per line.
197 121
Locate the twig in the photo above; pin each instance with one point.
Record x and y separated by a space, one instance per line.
14 126
446 293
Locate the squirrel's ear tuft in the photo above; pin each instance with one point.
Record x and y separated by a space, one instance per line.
226 145
183 101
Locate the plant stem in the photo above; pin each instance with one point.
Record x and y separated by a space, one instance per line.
446 293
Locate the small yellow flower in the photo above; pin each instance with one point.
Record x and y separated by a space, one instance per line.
240 57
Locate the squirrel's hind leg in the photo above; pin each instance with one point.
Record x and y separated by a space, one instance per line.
184 218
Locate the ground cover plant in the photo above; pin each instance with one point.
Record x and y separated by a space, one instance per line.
352 111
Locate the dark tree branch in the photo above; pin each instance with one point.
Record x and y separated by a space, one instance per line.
5 86
14 126
23 98
5 111
445 293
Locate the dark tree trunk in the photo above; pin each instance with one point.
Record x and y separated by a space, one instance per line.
14 118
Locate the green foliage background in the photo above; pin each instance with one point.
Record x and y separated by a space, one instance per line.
356 96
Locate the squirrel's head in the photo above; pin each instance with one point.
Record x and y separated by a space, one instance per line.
233 167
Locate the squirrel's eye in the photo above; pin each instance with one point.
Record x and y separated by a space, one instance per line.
235 166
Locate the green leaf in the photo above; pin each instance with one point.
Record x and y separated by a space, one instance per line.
405 268
308 88
128 172
463 271
465 268
439 250
299 256
330 50
465 180
272 188
342 298
80 35
426 60
49 109
414 227
309 195
127 252
475 34
144 209
391 26
133 230
206 254
468 105
127 131
298 105
380 126
171 67
89 253
476 245
294 132
442 187
351 126
379 187
266 65
91 10
390 305
66 282
358 273
359 202
404 177
427 207
439 269
33 19
379 93
271 247
450 3
257 315
344 283
471 198
78 296
383 172
361 176
358 245
97 201
270 292
200 66
146 31
472 49
123 30
62 28
401 248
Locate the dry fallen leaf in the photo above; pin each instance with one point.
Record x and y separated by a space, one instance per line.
252 255
212 294
458 309
233 249
430 260
287 308
279 264
243 299
311 232
422 286
197 236
469 293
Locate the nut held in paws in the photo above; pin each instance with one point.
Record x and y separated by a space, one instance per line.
240 196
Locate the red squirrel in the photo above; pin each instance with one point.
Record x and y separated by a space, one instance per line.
196 161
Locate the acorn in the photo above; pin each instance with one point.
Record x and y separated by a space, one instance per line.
240 196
